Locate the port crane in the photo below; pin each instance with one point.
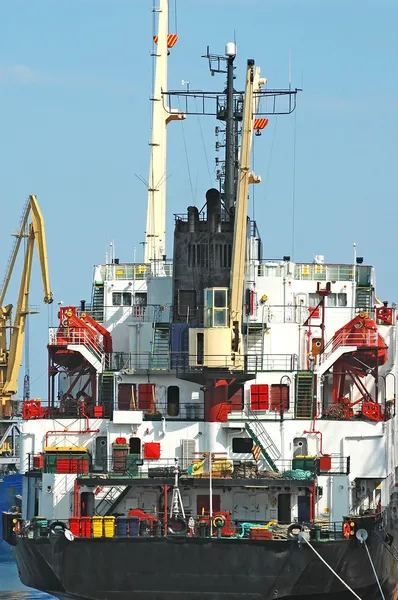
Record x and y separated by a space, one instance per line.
12 331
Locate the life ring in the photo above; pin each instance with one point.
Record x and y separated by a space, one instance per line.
57 527
293 531
219 521
65 323
346 530
83 315
68 313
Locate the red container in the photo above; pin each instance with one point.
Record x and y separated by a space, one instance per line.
325 463
121 440
74 525
85 526
98 411
260 534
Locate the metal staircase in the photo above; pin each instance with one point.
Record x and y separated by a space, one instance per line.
111 499
256 430
363 299
304 405
97 305
160 347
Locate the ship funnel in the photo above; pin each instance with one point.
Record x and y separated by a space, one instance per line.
193 218
213 201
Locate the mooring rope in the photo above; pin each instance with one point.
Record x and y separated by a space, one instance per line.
330 569
374 570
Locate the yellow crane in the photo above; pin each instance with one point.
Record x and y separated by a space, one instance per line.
11 345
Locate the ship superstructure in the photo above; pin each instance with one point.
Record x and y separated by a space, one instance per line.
222 415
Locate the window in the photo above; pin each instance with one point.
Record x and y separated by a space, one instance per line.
121 298
116 298
336 300
173 401
146 396
259 397
313 300
242 445
140 299
279 396
216 307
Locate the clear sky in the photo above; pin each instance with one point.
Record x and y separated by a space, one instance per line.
75 82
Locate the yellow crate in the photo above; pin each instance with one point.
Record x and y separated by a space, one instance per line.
109 526
98 525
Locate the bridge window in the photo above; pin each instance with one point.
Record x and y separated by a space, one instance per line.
121 298
336 300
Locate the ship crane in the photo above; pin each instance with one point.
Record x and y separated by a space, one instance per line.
11 345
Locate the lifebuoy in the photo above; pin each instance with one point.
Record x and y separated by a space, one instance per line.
65 323
219 521
17 527
57 527
293 531
346 530
69 313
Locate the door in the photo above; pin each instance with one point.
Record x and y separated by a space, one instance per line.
101 453
284 508
303 509
259 506
241 504
203 504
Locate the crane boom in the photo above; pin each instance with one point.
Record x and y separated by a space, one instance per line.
11 356
253 83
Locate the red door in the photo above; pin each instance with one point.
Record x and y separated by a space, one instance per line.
203 504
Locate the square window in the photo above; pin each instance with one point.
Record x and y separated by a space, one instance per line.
116 298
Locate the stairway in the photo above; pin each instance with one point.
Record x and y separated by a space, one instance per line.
160 347
363 299
111 498
107 393
255 428
304 405
97 304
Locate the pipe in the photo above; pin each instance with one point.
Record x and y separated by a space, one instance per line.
51 431
313 432
165 516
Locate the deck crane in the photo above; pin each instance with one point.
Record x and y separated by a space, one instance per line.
11 345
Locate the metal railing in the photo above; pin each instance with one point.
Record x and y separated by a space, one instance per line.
125 465
132 271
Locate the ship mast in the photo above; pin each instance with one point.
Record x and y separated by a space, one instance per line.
155 236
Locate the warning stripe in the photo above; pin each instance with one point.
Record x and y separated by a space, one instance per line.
171 39
260 123
256 451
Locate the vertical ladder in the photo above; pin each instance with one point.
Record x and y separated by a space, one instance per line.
160 347
107 394
97 305
304 406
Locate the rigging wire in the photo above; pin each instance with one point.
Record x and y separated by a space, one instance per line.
294 184
270 156
186 157
203 143
332 570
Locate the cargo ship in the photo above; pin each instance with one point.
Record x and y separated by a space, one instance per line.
220 425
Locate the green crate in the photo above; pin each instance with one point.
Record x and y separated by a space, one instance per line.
304 463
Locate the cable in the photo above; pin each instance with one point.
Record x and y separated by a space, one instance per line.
330 569
186 157
203 143
374 570
294 185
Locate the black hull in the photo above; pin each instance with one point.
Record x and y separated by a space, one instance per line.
175 568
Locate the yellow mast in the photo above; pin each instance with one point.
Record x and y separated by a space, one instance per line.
11 355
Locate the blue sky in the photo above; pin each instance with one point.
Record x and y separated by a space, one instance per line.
75 82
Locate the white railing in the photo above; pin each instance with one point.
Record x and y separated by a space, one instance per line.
77 336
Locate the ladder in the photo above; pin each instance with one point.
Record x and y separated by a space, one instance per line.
160 347
107 395
363 299
111 499
97 305
304 405
260 436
